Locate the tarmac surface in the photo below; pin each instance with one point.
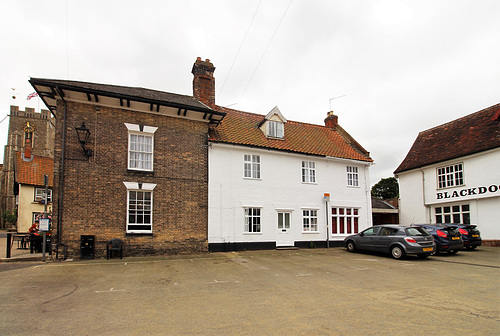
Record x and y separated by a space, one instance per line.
278 292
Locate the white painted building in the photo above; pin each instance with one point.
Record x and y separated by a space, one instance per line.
268 178
452 174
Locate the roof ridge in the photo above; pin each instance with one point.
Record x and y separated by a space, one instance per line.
264 115
461 118
68 81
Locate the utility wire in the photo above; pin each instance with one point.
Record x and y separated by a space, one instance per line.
267 47
238 52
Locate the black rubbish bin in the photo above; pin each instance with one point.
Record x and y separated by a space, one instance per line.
87 246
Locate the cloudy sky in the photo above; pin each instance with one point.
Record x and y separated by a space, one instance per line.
393 67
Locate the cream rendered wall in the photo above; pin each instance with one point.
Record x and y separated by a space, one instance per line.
26 207
279 188
419 192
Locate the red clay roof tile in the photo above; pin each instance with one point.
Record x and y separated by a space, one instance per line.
242 128
31 172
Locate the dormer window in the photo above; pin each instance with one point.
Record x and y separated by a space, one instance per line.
275 129
273 125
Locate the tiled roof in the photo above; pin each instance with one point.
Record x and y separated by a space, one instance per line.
378 203
242 128
471 134
31 172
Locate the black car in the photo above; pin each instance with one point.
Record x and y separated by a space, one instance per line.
470 235
394 239
447 237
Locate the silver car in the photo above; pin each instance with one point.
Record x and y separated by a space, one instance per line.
394 239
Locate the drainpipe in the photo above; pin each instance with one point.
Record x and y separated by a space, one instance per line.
61 177
428 209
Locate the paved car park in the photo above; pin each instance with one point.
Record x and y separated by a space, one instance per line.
285 292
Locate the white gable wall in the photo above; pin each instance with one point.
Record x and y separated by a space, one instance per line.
420 195
280 188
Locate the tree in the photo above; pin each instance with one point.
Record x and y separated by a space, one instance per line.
9 218
386 188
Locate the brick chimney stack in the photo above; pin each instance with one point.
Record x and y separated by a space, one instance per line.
331 120
204 81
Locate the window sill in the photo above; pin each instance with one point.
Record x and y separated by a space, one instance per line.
252 178
138 234
252 233
311 183
310 232
451 187
146 172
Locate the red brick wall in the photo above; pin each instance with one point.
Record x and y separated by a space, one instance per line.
95 197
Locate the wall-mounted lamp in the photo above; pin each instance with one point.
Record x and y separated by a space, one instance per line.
83 134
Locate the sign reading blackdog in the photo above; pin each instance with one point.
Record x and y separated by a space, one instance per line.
468 192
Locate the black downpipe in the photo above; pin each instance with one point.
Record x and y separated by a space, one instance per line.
61 178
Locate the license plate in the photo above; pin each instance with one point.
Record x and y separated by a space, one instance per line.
427 249
475 236
455 238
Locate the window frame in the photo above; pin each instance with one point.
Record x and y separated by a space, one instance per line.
286 220
449 176
345 220
352 176
450 214
253 220
140 131
251 166
38 195
275 129
135 187
308 172
310 223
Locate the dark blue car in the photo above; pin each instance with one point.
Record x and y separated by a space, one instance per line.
470 235
447 237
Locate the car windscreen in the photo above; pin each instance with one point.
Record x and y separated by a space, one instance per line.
416 231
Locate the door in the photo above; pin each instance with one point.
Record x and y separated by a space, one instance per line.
366 239
284 236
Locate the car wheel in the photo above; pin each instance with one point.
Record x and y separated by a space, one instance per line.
351 247
423 255
435 252
397 252
470 248
452 251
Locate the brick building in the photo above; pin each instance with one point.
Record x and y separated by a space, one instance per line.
142 176
39 129
169 173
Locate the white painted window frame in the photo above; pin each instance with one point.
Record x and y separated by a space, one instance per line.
145 188
352 176
450 176
308 172
146 132
310 221
251 166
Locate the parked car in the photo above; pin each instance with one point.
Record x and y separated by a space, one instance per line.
447 237
470 235
394 239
